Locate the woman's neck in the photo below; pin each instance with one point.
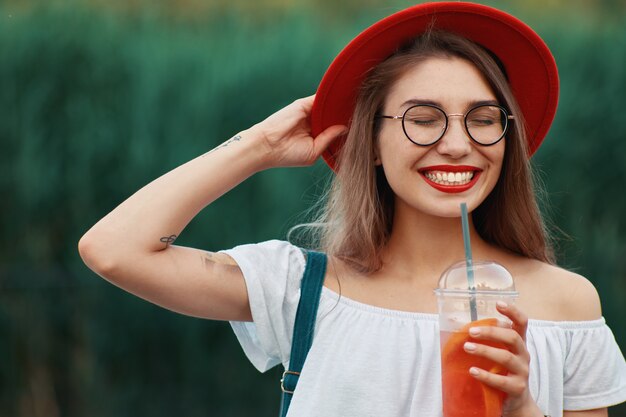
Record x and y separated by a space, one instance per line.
429 244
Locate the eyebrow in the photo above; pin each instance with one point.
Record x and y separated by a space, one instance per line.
473 103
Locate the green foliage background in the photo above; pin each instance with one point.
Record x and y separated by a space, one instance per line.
97 101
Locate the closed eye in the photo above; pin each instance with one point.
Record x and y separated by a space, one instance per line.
424 122
486 121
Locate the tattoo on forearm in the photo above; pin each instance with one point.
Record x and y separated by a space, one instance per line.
236 138
168 239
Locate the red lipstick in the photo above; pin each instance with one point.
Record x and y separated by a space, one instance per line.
451 168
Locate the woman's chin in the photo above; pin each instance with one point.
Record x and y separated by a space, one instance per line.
454 212
451 209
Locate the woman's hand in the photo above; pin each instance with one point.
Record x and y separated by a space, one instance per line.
516 360
287 135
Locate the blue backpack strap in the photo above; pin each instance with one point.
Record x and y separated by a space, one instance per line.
310 290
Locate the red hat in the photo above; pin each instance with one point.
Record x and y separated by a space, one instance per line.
529 65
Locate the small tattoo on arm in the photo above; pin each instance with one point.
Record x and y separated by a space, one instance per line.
168 239
235 138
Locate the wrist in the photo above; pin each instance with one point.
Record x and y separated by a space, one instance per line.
259 152
528 409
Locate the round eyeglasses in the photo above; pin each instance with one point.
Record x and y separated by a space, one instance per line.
425 124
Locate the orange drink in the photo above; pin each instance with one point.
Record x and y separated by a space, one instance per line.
461 308
463 395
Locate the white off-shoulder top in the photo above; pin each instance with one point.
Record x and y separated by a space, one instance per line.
370 361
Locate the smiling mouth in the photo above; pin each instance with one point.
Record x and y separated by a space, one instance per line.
451 179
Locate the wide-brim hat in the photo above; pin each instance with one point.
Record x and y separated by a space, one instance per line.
529 64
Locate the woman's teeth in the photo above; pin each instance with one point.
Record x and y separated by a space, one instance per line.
449 178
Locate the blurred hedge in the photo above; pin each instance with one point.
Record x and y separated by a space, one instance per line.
95 105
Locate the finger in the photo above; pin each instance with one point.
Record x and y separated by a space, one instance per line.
517 316
508 360
509 337
511 385
324 139
306 102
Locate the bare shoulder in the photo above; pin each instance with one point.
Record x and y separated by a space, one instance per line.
579 299
550 292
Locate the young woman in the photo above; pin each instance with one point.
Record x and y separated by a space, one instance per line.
436 105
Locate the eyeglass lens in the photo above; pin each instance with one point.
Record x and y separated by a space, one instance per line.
425 124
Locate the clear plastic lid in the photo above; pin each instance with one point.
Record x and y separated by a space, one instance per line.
489 277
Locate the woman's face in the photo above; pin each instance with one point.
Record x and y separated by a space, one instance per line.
435 179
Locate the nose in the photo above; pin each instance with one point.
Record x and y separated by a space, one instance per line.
455 142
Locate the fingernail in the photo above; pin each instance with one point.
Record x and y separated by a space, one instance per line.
474 331
502 304
474 371
469 346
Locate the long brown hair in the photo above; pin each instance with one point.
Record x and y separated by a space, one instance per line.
357 219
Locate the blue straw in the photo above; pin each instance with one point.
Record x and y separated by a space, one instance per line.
469 264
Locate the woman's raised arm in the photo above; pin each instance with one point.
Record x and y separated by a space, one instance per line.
132 245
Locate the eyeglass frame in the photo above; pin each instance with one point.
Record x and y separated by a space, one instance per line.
446 115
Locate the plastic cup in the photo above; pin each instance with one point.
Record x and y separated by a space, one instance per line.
463 395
